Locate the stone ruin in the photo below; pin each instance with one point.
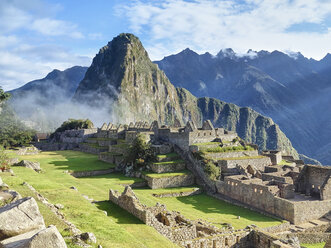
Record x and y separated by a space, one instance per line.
189 233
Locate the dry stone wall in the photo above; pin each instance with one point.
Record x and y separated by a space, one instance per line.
170 181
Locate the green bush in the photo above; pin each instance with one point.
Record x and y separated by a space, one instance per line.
12 131
75 124
3 159
140 152
212 170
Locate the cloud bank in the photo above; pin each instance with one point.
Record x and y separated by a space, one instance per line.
209 25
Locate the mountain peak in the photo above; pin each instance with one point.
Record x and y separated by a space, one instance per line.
226 53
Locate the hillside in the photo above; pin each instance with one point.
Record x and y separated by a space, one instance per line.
293 90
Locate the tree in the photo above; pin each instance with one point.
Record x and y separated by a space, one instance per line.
12 131
140 152
3 95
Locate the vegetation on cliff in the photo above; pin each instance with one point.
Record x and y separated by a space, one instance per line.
75 124
12 131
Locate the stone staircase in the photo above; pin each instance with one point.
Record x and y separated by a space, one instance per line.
168 172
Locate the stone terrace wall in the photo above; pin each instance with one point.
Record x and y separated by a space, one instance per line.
171 167
258 163
262 197
239 239
170 182
310 210
224 155
266 240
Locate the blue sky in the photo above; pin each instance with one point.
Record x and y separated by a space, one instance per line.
37 36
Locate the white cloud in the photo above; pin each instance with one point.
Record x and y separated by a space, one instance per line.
25 63
206 25
28 30
51 27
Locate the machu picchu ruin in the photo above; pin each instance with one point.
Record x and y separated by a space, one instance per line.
270 182
211 129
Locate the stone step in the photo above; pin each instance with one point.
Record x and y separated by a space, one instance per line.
169 180
167 157
170 166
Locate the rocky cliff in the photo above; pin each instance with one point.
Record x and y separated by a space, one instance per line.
123 78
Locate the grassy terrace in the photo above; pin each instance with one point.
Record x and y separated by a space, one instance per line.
168 155
206 143
103 139
118 229
95 145
317 245
228 149
285 162
179 161
242 158
170 174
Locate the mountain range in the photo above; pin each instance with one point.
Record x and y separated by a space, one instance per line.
291 89
123 81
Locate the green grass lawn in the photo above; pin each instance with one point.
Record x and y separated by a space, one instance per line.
168 155
179 161
242 158
317 245
206 143
119 228
170 174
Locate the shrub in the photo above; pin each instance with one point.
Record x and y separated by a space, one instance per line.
3 160
140 152
212 170
75 124
12 131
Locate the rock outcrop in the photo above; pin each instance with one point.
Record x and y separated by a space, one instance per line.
20 217
31 165
49 237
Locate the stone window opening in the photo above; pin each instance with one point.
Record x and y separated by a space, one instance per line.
255 190
201 245
188 245
232 183
226 241
204 134
198 134
214 243
319 187
313 186
258 238
228 182
261 191
269 243
238 239
210 133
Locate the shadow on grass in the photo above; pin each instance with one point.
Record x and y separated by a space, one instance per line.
79 161
208 204
120 215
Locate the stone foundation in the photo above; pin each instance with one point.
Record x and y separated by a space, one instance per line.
170 182
171 167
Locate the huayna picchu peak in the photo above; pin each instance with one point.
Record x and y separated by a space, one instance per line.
123 79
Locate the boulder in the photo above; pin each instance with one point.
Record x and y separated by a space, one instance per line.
19 217
8 196
28 164
49 237
12 161
88 237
